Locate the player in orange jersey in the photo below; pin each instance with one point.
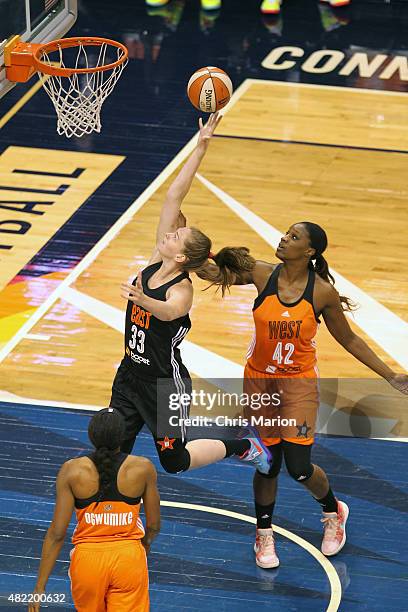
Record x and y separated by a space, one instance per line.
291 297
108 569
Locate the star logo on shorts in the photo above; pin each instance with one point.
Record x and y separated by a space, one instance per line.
303 430
166 444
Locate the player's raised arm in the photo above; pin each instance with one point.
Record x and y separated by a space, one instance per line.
341 331
151 504
169 217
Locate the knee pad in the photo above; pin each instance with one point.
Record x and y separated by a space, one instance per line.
297 459
301 474
174 458
276 462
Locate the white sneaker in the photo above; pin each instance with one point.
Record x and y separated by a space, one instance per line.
334 537
264 549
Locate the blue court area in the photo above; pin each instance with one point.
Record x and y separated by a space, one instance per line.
203 561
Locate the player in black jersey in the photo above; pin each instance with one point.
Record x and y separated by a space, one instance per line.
157 320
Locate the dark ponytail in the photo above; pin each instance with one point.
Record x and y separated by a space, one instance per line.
321 267
318 241
231 263
106 431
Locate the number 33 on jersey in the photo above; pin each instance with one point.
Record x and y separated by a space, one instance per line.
151 345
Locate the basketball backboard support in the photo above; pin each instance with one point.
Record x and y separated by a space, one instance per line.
35 21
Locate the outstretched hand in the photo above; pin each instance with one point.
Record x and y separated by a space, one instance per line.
399 382
207 129
134 293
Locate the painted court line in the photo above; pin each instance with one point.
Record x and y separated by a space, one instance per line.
335 584
41 337
387 329
197 359
349 90
308 143
12 398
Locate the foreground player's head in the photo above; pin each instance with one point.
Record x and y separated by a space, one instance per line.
303 241
106 429
189 247
307 241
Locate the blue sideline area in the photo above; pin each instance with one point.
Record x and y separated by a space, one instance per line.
200 560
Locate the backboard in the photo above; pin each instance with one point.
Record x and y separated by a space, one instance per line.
35 21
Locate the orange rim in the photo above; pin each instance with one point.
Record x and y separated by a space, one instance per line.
65 43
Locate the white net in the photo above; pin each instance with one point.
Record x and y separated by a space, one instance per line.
78 98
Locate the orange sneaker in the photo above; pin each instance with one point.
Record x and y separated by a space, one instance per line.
334 536
264 549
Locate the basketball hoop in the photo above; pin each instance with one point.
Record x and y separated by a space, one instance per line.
78 74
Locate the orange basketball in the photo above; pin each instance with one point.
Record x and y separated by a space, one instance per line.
209 89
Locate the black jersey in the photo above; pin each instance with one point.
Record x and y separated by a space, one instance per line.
151 345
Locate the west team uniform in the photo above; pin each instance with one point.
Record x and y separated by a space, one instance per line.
283 349
151 354
108 568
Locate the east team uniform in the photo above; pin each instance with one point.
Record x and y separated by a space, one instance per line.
108 568
283 349
151 353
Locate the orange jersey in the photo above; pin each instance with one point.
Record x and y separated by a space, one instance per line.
112 517
108 521
283 343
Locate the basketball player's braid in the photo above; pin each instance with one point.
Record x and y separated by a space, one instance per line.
103 458
321 268
318 240
106 431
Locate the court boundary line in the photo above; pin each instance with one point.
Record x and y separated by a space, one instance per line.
334 580
364 90
313 144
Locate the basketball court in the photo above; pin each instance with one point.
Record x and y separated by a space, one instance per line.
305 136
